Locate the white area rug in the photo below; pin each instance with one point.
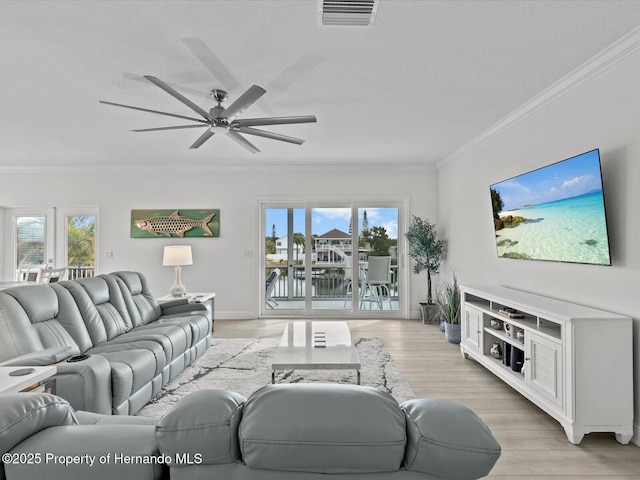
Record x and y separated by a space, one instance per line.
243 365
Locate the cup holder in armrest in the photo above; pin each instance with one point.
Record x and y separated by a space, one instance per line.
77 358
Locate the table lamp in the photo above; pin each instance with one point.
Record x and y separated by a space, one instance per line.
177 255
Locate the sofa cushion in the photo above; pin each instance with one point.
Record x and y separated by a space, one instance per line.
90 316
39 301
54 315
322 428
107 297
448 440
18 337
203 423
143 306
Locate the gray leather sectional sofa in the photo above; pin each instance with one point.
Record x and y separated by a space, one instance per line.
281 432
113 345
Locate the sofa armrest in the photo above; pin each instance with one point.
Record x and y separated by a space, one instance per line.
96 452
86 384
48 356
185 306
448 440
24 414
203 425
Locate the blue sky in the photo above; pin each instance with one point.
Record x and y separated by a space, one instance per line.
565 179
326 219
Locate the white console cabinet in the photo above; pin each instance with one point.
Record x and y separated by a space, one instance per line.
577 362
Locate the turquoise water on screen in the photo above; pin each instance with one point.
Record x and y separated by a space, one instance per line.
570 230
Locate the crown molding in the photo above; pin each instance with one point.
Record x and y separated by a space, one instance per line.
249 168
608 57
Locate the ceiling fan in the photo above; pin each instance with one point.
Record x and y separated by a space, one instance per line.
223 120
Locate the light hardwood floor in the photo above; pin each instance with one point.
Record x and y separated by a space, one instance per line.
534 446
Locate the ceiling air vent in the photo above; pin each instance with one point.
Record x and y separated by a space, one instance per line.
349 13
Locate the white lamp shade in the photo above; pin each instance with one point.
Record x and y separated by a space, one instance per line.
177 255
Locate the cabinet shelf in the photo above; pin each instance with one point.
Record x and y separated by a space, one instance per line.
499 334
577 359
505 369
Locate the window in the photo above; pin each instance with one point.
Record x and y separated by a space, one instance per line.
55 237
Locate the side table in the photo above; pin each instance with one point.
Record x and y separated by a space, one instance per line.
37 379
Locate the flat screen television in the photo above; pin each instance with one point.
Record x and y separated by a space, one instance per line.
554 213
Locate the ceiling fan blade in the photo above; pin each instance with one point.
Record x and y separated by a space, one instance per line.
244 101
178 96
211 62
252 122
242 141
152 111
271 135
168 128
202 138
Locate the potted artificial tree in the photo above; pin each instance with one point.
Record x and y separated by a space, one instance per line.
448 300
427 252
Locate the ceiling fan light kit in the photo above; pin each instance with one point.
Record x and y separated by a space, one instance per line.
221 120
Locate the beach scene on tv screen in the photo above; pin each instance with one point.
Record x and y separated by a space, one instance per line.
554 213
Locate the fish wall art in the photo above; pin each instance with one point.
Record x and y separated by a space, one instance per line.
175 223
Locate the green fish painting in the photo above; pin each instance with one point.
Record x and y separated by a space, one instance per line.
173 225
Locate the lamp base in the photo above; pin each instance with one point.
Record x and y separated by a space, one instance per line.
178 289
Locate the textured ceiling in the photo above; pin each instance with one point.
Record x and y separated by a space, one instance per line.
426 79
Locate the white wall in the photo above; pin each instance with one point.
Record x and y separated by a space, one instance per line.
220 264
602 113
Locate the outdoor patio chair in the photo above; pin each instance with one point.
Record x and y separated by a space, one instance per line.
362 275
271 282
377 282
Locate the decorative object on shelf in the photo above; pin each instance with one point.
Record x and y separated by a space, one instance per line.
427 252
520 335
177 255
508 329
517 359
448 300
180 223
511 313
496 324
496 351
506 355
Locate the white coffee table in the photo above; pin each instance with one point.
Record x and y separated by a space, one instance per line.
311 345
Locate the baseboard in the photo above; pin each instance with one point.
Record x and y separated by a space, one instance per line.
236 315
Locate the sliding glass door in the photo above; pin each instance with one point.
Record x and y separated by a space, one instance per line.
284 252
316 259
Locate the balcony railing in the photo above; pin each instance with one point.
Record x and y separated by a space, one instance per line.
74 273
328 282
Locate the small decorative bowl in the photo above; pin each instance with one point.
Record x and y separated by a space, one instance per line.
496 324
